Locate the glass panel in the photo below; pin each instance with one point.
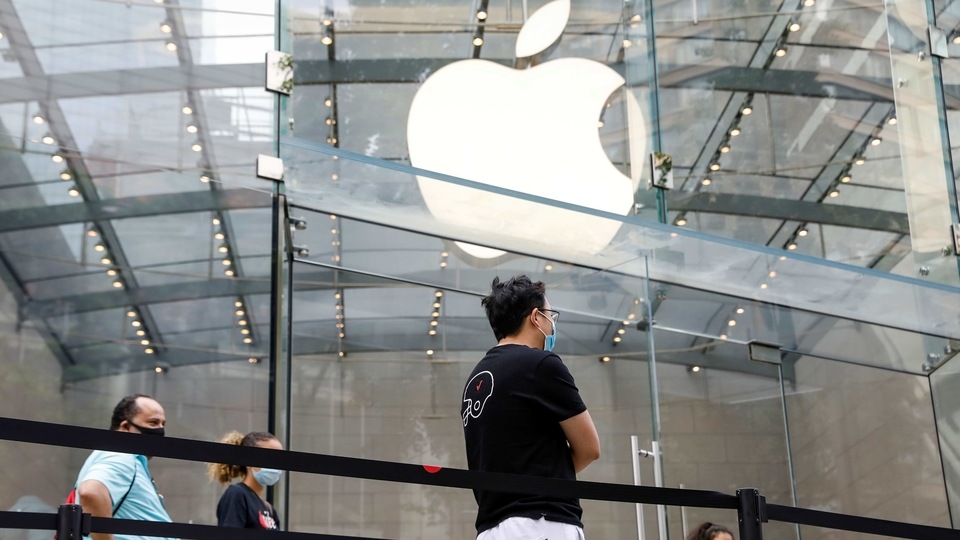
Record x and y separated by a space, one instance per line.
927 158
618 396
943 383
96 98
382 390
201 401
105 37
83 279
602 241
863 443
723 426
395 405
376 331
96 95
774 95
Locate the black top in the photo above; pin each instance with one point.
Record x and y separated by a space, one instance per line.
512 407
240 506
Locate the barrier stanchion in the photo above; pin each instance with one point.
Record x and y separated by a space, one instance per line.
751 513
72 523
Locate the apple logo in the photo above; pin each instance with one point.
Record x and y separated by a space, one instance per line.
529 130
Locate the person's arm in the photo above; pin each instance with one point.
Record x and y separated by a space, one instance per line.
583 439
95 499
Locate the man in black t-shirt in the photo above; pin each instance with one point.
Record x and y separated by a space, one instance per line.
522 414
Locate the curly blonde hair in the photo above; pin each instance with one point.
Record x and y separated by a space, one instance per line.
225 473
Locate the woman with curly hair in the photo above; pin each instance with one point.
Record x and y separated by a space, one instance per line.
710 531
243 503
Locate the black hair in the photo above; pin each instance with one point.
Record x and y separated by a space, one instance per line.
510 302
126 410
707 531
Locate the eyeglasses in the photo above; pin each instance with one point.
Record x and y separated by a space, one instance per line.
553 314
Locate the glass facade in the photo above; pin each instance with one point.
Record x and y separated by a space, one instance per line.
429 146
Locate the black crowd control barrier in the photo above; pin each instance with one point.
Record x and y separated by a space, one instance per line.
751 507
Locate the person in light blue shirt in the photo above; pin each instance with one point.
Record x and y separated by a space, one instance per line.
113 484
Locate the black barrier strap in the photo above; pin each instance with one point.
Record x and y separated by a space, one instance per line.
28 520
49 522
202 532
80 437
831 520
191 450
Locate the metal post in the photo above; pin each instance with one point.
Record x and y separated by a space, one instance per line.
638 453
751 513
71 524
278 391
658 481
635 452
684 528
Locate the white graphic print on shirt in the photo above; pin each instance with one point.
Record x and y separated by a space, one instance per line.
476 394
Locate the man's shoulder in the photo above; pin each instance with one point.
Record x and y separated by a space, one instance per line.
513 360
513 352
112 469
116 459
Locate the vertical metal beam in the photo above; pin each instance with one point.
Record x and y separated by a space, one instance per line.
278 418
274 412
652 64
648 295
280 275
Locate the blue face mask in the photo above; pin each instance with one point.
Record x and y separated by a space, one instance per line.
551 340
267 477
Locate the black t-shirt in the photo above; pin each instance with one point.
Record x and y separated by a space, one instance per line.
241 507
512 407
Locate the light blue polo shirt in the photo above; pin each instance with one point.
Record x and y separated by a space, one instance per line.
116 471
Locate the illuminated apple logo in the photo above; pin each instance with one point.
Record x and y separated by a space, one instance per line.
530 130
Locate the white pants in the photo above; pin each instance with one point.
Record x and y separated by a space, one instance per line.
521 528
